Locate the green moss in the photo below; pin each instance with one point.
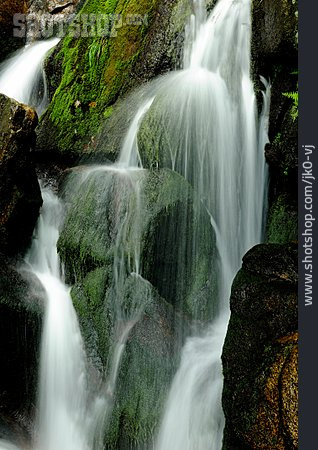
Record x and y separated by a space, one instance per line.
94 72
148 361
282 221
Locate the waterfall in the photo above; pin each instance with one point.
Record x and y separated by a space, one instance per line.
22 76
208 110
206 114
67 416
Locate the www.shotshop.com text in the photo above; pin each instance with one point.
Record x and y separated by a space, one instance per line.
308 180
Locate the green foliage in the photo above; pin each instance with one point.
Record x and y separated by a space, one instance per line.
294 97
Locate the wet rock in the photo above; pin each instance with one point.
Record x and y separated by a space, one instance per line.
167 226
260 352
20 327
20 197
107 69
274 56
150 356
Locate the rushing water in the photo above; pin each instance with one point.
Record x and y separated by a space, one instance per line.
67 416
209 113
22 76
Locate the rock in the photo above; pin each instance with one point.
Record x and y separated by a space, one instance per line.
20 328
9 43
20 196
173 289
107 68
149 360
260 352
48 18
282 220
275 56
167 231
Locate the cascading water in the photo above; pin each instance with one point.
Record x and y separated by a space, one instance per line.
67 417
208 112
207 116
121 187
22 74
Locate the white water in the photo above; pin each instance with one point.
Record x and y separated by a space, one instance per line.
129 156
4 445
121 182
21 75
219 147
66 418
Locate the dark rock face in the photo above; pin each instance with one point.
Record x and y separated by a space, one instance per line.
260 352
20 196
20 324
274 56
20 328
9 43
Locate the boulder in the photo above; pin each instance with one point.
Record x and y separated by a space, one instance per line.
20 329
20 196
260 352
173 286
89 74
177 244
149 359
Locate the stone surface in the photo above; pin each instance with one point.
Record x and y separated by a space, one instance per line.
274 56
89 75
20 328
260 352
20 197
178 269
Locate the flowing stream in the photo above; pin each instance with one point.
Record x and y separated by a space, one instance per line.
219 147
64 413
22 76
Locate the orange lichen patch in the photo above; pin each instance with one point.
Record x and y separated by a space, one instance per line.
288 339
289 396
276 422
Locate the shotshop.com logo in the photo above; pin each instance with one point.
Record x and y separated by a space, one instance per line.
83 25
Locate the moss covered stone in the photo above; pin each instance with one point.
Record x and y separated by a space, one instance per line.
149 360
95 71
166 225
282 223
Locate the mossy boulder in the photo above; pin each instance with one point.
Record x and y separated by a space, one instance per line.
165 226
149 360
95 71
20 197
260 352
282 222
173 286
